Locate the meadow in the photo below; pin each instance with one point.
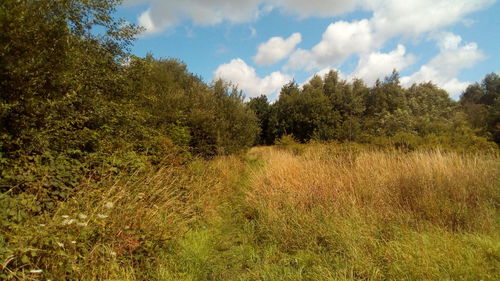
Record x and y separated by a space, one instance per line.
115 166
287 212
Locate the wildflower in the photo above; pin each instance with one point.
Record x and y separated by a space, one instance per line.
101 216
68 222
81 224
108 205
60 244
36 271
73 242
82 216
65 216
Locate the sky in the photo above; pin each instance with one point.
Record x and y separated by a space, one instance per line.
260 45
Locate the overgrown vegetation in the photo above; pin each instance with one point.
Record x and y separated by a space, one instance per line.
73 102
116 167
294 212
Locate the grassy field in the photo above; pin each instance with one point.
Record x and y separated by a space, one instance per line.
307 212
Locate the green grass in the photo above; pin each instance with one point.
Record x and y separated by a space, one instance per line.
317 213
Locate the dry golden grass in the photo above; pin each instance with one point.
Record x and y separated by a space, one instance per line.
449 190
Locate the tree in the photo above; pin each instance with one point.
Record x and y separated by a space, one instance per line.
263 110
56 78
305 114
481 103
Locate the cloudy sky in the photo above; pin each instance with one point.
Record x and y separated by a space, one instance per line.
262 44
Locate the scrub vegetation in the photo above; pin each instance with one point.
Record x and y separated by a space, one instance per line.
117 167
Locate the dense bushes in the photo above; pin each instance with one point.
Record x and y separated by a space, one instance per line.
73 106
72 101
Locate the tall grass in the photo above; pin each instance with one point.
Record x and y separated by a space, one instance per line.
314 212
381 215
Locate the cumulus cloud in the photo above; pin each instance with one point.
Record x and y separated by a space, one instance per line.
162 14
390 17
245 77
377 65
339 41
395 17
276 49
443 68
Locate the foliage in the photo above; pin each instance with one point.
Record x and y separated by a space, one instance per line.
481 103
74 102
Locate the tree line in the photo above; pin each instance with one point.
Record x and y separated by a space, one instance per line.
329 108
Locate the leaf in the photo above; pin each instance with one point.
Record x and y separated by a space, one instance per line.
25 259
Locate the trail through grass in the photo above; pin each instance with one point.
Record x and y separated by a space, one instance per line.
306 212
318 216
221 247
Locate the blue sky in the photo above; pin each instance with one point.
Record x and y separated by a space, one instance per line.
262 44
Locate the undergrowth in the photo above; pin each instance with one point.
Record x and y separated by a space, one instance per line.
292 212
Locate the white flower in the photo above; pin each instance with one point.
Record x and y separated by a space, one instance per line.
68 222
60 244
81 224
73 242
108 205
65 216
36 271
82 216
101 216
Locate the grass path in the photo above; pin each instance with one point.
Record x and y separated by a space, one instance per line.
237 242
223 246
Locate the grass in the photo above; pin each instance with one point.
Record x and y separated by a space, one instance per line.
315 212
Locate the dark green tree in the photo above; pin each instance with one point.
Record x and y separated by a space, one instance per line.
481 103
263 110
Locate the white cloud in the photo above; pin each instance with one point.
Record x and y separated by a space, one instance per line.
321 8
414 17
378 65
390 17
443 68
276 49
339 41
163 14
245 77
447 40
146 21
